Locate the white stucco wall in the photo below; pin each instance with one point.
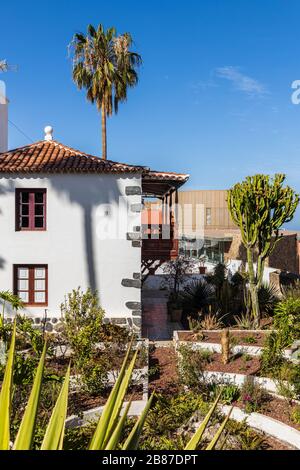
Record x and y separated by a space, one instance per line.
72 245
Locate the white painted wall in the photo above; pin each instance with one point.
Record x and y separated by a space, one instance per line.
73 201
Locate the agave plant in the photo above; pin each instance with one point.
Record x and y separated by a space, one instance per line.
268 297
108 432
197 296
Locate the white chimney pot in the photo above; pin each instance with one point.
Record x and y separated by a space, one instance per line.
48 133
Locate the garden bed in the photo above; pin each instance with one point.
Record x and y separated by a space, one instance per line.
267 423
239 364
244 338
242 341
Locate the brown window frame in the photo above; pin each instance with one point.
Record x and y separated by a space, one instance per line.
31 212
31 290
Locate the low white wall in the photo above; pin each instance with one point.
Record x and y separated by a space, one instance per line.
266 424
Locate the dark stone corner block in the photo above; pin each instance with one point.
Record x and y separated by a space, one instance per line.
131 283
133 190
134 305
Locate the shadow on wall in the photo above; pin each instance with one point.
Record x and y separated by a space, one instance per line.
81 190
9 187
86 191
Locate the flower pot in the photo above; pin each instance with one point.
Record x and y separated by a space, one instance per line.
202 269
176 315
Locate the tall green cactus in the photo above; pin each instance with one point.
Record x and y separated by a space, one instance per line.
259 206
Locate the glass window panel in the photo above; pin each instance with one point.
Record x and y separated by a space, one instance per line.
39 222
39 209
23 273
39 273
25 222
25 209
39 197
39 284
23 296
23 284
39 297
25 196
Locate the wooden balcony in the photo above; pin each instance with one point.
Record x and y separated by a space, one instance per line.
159 242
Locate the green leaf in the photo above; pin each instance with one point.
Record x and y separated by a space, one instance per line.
26 430
120 399
217 436
117 433
53 439
193 443
132 440
5 395
109 409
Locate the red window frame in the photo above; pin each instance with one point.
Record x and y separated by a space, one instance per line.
31 209
31 283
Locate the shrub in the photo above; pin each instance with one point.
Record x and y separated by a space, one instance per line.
295 414
82 319
253 396
94 376
230 393
191 365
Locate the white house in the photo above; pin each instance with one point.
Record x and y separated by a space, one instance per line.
71 219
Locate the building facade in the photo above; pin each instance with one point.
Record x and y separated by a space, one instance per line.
220 240
68 220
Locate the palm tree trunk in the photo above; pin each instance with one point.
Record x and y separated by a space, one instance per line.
104 138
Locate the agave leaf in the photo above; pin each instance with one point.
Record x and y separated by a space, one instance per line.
26 430
108 410
132 440
53 439
120 399
217 436
116 435
193 443
5 395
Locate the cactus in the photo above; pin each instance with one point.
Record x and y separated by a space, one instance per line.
259 206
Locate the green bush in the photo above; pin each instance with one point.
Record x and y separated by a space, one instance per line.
295 414
230 393
253 396
82 319
94 376
191 365
287 325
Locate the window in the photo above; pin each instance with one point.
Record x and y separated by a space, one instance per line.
31 283
208 216
30 209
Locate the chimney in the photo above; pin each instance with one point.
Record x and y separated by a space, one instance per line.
3 118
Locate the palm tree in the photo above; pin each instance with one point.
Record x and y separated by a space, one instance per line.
104 65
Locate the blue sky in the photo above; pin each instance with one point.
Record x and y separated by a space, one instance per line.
214 97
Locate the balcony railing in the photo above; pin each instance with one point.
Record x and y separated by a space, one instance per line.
159 242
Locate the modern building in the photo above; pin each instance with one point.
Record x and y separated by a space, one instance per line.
71 219
220 240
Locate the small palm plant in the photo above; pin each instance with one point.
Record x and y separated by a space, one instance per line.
108 433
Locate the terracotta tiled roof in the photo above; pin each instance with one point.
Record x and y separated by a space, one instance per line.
167 176
53 157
